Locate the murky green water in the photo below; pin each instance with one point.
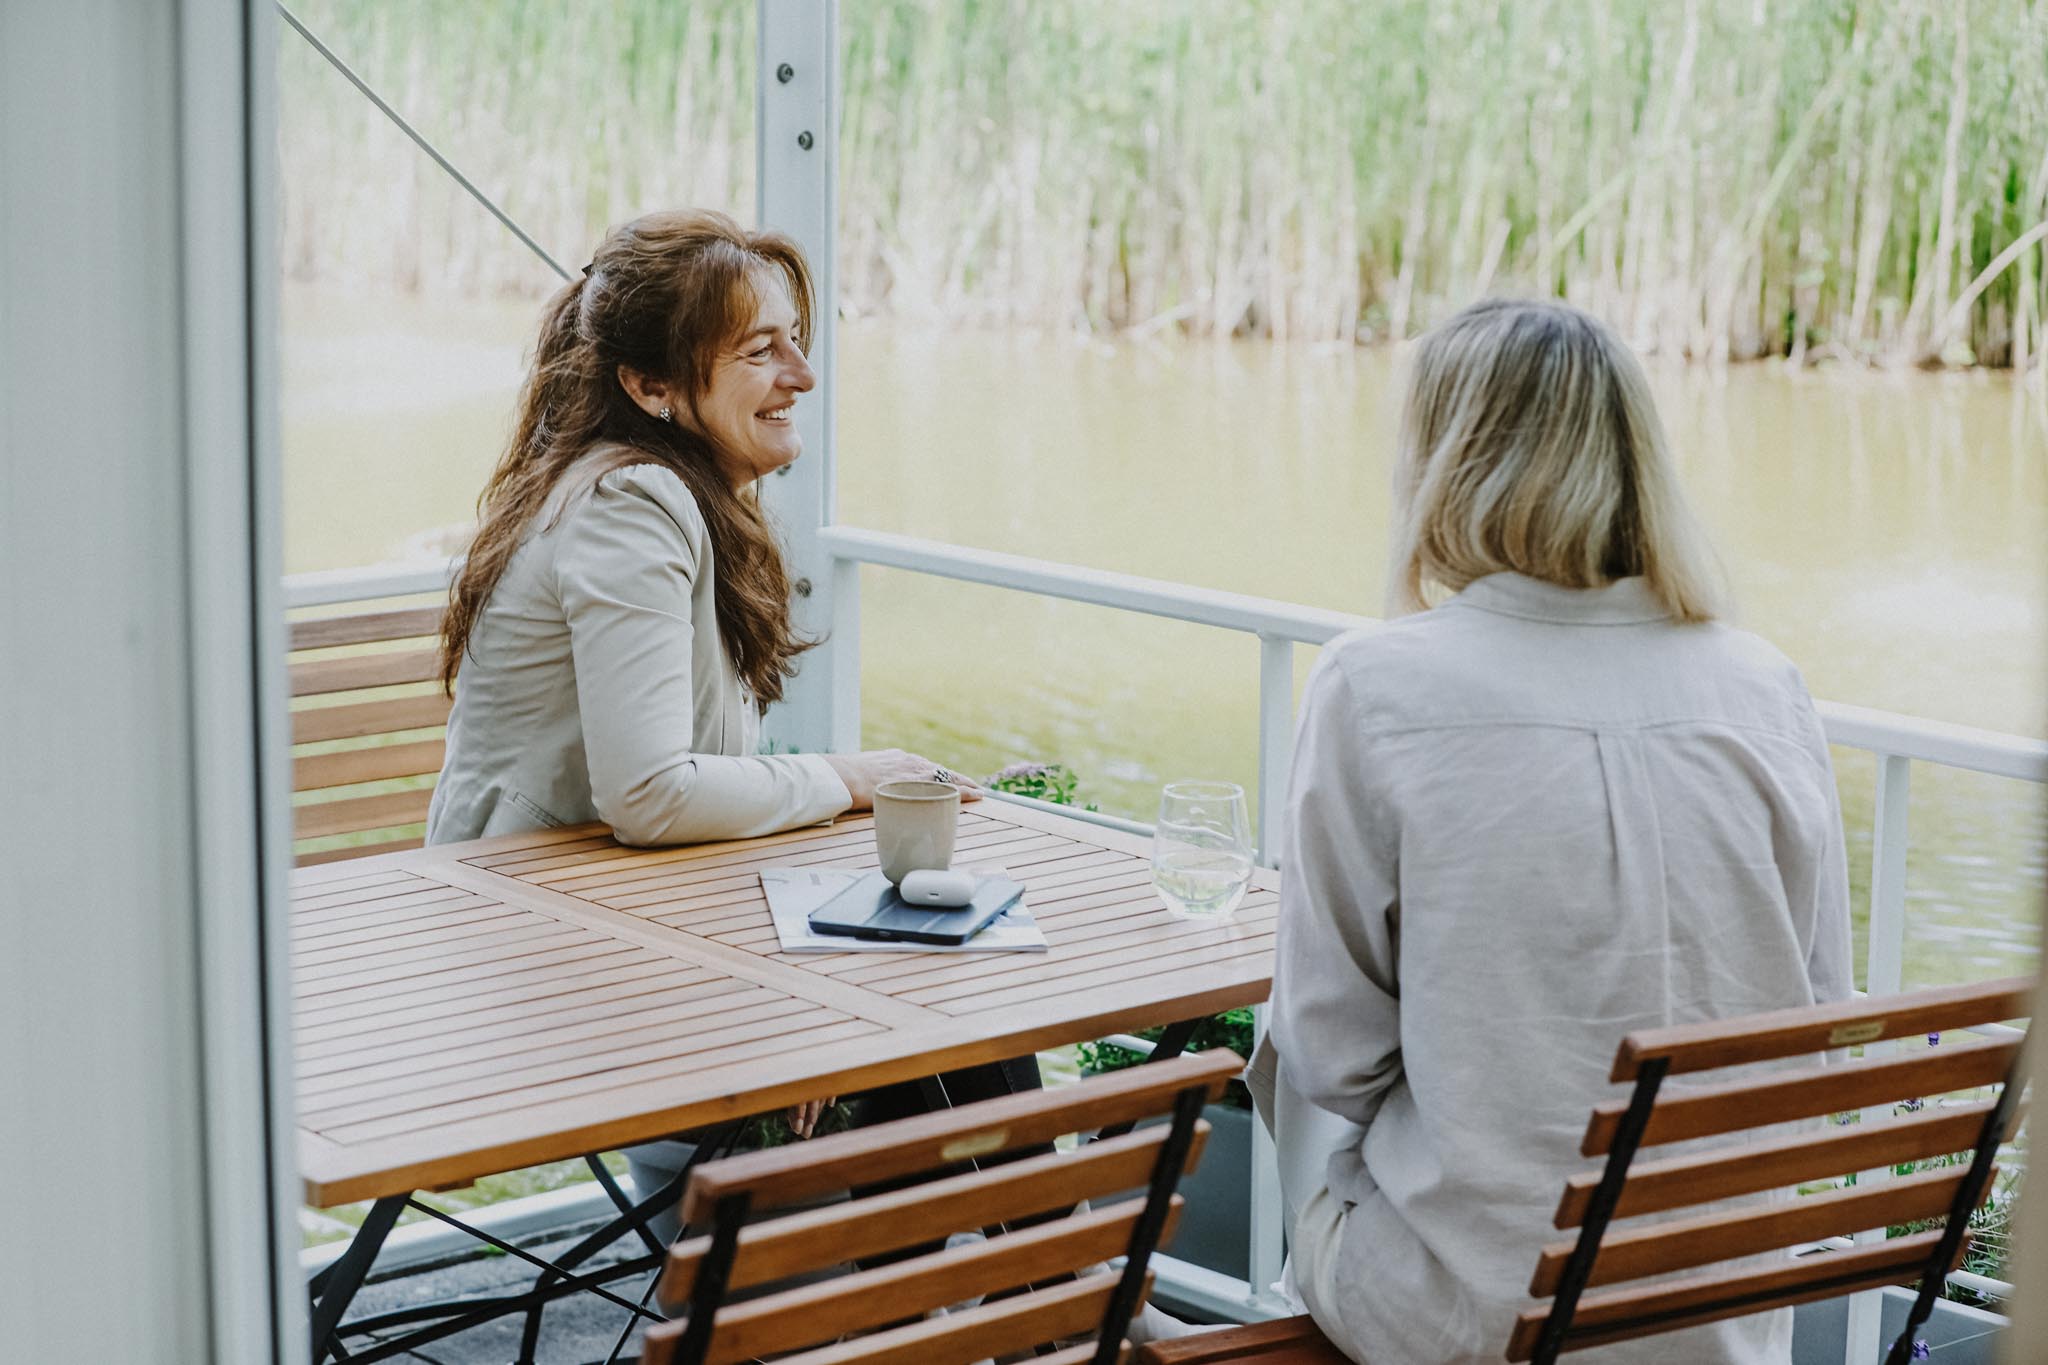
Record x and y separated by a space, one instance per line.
1889 532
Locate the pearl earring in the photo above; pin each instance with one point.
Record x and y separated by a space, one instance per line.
665 414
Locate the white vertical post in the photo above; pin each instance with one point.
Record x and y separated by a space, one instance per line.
1885 955
1884 974
143 998
1276 743
237 646
1268 1208
796 156
844 663
1276 739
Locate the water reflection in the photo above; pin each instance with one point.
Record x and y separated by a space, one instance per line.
1890 532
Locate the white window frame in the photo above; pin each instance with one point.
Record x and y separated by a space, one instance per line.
146 1069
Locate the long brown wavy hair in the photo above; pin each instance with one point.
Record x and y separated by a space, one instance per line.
665 294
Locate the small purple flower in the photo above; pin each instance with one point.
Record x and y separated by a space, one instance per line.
1921 1350
1913 1106
1934 1040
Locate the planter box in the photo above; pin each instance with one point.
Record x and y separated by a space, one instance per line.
1216 1225
1956 1334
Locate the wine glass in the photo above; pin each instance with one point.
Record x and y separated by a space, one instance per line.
1202 849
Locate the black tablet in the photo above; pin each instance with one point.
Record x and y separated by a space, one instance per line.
870 908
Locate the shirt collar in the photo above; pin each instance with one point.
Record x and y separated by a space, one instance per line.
1624 602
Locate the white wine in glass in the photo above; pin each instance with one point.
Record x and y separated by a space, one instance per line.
1202 849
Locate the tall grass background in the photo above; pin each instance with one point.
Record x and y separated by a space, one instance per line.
1723 179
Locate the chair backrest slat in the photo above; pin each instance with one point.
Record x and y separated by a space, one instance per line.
1795 1032
854 1303
928 1212
1624 1314
356 672
366 627
1674 1182
783 1175
359 720
376 763
387 740
1690 1243
986 1168
1065 1310
322 818
1704 1111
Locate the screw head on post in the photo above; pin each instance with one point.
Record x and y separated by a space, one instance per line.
785 73
803 139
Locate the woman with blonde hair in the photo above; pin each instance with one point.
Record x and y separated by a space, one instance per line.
1553 801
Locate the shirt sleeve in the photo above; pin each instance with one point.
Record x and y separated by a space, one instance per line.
1830 961
625 565
1336 994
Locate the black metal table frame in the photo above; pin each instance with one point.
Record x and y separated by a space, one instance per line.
333 1289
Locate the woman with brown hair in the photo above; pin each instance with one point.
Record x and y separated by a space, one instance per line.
624 611
623 614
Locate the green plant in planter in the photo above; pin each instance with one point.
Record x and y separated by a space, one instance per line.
1990 1222
1054 782
1990 1227
1231 1029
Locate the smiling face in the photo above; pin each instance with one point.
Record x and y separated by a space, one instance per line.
749 407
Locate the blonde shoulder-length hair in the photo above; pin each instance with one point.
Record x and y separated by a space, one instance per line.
1530 444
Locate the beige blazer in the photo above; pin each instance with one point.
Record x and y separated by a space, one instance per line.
597 687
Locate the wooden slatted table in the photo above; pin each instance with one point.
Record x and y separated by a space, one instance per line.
475 1008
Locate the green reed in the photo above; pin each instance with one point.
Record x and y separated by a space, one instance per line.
1723 179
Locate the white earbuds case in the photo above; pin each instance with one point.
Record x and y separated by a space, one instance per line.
948 890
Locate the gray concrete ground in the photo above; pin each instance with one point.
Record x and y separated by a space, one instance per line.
579 1329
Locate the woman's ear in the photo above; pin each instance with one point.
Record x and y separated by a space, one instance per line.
655 397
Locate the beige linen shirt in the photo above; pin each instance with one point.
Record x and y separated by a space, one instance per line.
597 687
1521 825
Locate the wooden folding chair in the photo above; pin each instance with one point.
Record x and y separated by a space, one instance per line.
1039 1276
372 719
1600 1256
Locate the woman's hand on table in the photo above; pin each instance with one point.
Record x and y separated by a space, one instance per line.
863 772
803 1118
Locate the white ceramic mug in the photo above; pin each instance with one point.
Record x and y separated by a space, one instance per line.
914 826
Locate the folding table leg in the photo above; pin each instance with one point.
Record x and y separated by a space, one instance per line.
1173 1040
632 1219
602 1174
335 1288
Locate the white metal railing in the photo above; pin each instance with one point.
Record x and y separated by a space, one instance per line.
1856 727
1896 741
373 582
